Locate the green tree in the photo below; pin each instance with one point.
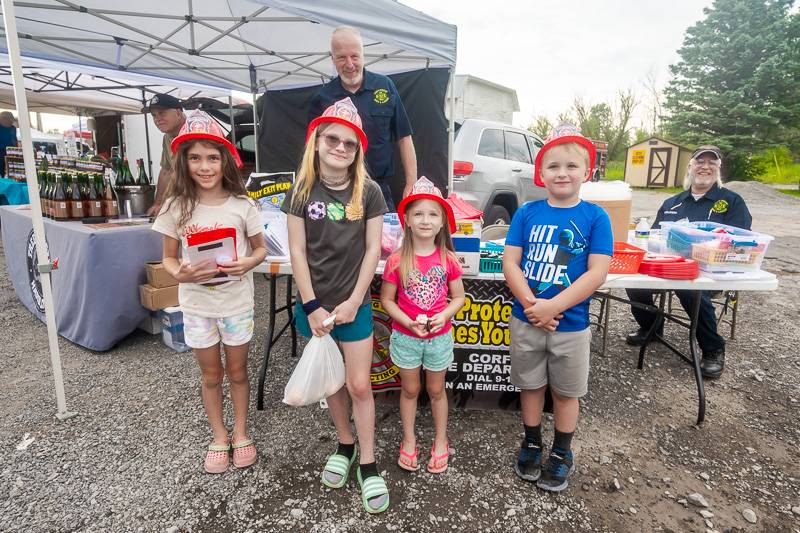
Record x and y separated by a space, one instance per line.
541 126
602 122
736 84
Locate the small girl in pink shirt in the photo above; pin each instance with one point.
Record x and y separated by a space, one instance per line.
416 282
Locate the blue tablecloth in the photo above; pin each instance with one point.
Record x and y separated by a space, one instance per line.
96 286
13 192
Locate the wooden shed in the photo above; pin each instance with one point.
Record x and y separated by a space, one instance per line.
655 163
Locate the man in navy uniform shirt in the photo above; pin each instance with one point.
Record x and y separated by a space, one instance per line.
704 199
379 105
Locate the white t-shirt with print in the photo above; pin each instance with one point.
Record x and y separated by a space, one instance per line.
230 298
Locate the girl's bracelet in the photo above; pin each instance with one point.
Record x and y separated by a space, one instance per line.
311 306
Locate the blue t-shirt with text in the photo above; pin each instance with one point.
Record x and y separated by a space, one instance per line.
556 243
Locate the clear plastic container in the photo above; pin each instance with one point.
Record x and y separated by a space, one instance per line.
717 247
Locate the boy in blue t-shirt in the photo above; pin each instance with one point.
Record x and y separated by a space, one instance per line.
557 254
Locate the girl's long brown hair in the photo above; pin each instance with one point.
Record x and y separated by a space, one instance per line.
443 242
183 189
308 174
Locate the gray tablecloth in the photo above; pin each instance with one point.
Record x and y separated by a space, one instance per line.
96 287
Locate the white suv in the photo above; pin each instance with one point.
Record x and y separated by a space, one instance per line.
493 167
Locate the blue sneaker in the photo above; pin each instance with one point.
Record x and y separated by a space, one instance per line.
529 462
555 473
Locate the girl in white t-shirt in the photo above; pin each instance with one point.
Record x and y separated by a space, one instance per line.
207 194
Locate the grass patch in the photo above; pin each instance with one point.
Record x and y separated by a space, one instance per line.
790 192
615 170
670 190
787 174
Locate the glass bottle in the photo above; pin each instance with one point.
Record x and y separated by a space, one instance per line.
76 205
143 181
110 208
60 209
93 198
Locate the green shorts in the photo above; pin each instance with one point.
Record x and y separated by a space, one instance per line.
433 353
357 330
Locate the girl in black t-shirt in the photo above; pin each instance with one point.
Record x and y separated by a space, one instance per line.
335 218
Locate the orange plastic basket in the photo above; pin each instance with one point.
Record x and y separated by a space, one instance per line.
626 259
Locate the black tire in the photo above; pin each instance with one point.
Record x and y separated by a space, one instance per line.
496 214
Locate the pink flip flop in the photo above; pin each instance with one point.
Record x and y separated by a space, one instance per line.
408 461
442 460
244 453
217 458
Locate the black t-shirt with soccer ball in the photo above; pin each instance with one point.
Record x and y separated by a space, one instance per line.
336 237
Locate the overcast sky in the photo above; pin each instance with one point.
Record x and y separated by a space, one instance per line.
551 51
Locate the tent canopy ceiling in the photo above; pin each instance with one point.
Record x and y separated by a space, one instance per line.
89 91
244 45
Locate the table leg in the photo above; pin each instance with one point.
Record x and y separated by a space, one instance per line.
651 333
693 348
290 312
268 344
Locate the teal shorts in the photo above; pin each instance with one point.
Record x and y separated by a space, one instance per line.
357 330
434 353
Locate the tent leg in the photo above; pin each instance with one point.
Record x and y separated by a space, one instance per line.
233 121
80 135
147 139
451 130
42 252
255 132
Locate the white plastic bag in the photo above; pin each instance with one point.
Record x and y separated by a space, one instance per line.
318 374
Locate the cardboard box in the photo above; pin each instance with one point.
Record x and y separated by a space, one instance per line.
619 211
157 275
156 298
470 262
468 228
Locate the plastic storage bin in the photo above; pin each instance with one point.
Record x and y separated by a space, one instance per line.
718 248
626 259
172 329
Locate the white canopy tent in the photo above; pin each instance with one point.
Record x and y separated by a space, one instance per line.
247 45
82 90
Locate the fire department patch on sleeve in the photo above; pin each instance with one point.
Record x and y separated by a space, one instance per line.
721 206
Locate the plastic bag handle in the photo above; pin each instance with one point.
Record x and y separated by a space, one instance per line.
328 321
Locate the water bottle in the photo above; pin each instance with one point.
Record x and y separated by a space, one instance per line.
642 233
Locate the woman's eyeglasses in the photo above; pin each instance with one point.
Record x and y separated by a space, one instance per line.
333 141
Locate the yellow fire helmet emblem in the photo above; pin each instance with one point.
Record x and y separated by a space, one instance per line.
721 206
381 96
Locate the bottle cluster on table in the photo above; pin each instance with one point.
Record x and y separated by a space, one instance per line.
73 190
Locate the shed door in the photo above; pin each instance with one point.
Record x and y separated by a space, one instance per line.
658 169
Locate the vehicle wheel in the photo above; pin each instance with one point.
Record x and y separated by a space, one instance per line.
497 214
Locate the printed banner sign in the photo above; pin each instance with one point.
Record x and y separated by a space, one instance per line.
479 375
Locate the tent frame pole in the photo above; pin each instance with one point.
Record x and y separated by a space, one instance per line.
451 130
42 252
254 91
233 121
147 138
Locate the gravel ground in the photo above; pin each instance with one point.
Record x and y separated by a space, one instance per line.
132 459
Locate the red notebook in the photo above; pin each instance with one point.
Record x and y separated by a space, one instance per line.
218 245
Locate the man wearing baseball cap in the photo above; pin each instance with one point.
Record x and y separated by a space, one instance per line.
167 113
705 198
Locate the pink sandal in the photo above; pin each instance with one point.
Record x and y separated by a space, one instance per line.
244 453
408 461
217 458
440 460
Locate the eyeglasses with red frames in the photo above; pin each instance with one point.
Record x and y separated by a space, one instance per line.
333 141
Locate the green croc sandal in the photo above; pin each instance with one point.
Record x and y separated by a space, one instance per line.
374 493
337 470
